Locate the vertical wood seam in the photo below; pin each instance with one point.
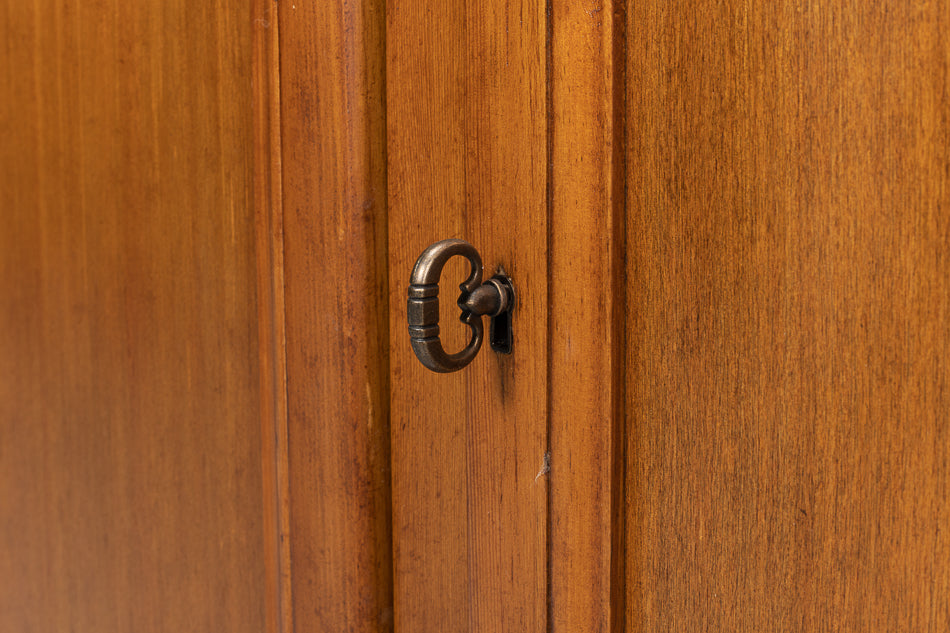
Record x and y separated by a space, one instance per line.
549 338
618 360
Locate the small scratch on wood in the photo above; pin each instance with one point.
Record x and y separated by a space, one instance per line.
370 413
545 466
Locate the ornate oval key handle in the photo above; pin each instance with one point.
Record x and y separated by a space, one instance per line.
494 298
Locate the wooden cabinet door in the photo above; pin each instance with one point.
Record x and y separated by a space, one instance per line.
502 472
131 494
788 276
466 160
728 227
743 296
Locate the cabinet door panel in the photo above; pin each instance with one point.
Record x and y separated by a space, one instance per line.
130 442
788 389
466 154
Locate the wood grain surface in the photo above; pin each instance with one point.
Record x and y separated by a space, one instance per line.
788 262
334 229
466 121
269 250
585 255
130 450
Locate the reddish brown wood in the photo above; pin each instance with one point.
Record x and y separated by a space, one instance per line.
467 154
130 447
788 389
334 230
728 402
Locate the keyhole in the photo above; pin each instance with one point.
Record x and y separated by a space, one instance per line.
499 332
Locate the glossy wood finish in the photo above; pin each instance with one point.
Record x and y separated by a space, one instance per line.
130 451
466 120
334 236
586 323
788 262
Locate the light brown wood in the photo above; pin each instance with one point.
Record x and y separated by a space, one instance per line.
334 230
789 324
130 450
466 120
586 303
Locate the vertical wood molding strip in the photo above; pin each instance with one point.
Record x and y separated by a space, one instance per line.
586 301
333 150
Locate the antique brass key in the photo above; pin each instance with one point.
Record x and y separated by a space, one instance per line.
494 298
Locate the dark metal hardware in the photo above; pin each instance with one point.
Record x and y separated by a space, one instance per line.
494 298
